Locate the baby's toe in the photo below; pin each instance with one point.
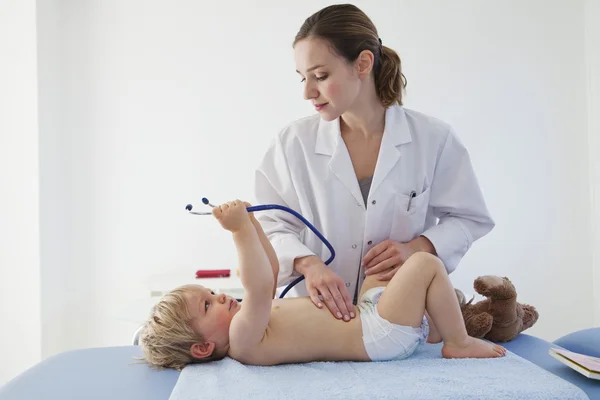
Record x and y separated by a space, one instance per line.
498 349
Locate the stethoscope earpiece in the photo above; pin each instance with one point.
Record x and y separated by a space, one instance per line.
189 210
206 202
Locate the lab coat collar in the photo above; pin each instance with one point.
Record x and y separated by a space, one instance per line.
329 142
396 131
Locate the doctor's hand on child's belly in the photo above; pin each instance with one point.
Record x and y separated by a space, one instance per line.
323 283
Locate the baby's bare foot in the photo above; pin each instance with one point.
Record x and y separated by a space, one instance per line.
473 348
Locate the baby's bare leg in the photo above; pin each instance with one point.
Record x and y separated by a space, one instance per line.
423 282
434 334
371 281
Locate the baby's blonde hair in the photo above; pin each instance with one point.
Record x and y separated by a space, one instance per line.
167 336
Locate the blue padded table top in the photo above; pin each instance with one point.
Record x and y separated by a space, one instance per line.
536 350
113 373
92 374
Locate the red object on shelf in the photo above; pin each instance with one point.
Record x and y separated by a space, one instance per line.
213 273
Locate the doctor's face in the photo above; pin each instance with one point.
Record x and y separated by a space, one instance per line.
331 84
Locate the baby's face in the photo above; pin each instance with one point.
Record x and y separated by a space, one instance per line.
211 313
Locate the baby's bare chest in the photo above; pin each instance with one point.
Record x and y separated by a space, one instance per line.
298 319
298 331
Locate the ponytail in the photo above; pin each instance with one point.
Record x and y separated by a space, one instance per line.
390 82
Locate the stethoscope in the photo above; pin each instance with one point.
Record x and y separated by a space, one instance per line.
276 207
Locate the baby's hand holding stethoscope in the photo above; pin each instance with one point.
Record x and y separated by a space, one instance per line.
232 215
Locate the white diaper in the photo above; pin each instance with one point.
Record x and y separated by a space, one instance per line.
384 340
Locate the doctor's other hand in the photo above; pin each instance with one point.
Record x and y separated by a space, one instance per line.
232 215
321 280
387 257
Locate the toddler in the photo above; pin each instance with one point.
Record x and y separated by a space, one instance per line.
192 324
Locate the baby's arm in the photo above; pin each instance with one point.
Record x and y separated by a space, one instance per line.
248 326
268 249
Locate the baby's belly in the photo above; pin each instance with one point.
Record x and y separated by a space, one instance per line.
300 332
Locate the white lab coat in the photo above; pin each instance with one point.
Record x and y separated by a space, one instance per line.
308 168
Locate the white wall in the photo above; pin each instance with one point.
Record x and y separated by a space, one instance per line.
510 76
592 39
145 107
19 201
63 190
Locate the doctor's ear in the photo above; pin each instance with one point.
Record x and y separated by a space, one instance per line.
364 63
202 350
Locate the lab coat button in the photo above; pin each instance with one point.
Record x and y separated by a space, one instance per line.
353 246
370 242
373 202
347 284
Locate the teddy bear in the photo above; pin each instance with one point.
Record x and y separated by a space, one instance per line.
499 317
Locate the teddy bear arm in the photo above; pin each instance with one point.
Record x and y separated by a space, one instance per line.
530 316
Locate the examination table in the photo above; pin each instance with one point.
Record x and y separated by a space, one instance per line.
114 373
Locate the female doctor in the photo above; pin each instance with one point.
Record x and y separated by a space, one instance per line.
379 181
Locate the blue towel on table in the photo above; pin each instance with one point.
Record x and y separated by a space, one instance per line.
426 375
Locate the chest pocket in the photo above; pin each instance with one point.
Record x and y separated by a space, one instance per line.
409 216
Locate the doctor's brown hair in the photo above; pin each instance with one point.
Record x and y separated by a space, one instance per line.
350 31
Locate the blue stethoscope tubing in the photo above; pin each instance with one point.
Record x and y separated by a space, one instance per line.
264 207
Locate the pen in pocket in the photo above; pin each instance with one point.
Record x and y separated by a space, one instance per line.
410 197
